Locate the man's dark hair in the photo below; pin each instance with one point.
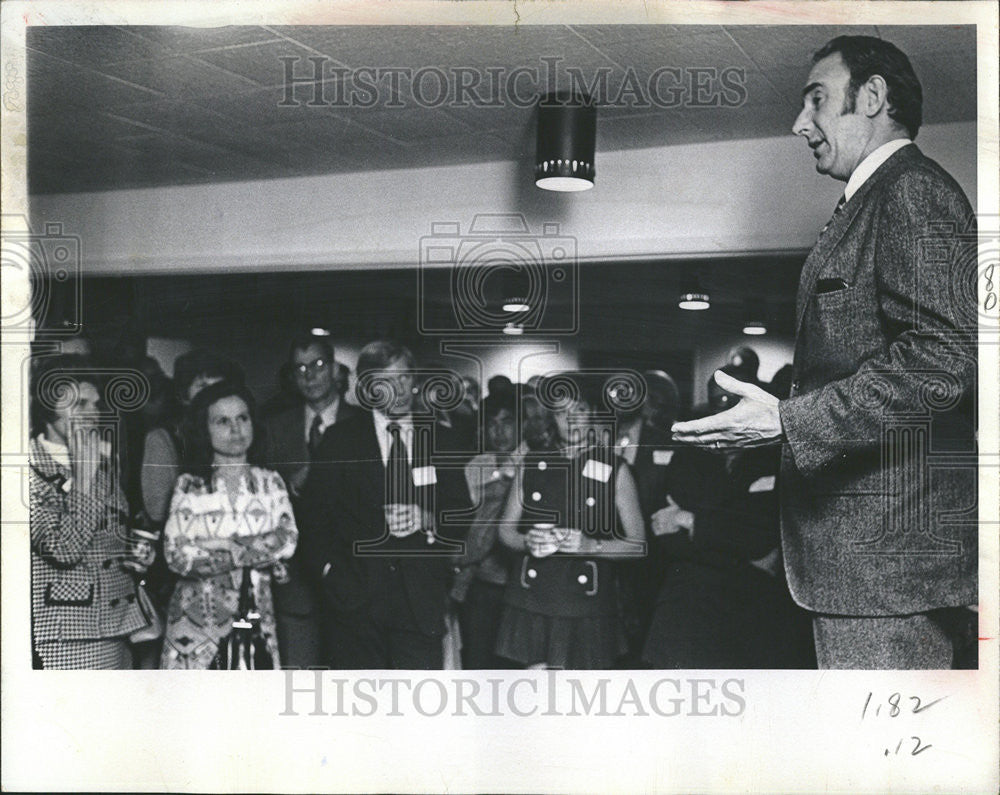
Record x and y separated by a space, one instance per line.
201 362
306 339
866 56
380 354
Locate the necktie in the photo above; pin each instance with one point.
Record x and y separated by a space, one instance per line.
315 435
399 486
840 205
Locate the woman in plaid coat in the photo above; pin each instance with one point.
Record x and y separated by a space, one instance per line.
83 603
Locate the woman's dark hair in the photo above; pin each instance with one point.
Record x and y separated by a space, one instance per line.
198 451
866 56
538 426
497 402
51 377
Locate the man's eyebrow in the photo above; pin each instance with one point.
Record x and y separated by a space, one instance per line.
810 88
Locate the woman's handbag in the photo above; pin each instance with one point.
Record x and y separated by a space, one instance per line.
245 648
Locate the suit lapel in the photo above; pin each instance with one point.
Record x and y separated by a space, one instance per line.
370 456
835 232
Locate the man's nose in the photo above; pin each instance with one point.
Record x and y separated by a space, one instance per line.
803 122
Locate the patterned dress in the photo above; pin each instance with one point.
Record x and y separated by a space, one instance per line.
209 537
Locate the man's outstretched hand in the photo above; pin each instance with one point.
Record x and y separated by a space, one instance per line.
753 422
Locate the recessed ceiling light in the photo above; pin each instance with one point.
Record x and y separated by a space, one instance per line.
754 328
694 301
320 332
514 329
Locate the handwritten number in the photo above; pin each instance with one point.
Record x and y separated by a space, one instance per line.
916 746
894 703
917 708
867 701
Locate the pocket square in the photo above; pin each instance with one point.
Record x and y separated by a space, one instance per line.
830 286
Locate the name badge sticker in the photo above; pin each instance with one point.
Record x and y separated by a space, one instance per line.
662 457
765 483
424 476
596 470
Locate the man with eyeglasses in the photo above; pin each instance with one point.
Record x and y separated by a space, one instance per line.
293 436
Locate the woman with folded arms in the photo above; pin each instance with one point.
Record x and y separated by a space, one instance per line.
226 515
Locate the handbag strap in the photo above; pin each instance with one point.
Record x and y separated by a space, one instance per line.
247 602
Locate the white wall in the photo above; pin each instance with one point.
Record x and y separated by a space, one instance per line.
728 197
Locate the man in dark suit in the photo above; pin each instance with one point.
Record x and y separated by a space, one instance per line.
878 478
293 436
374 524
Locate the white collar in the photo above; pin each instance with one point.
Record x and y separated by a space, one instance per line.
328 416
870 165
58 452
382 421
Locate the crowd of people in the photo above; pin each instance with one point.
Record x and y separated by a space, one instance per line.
551 524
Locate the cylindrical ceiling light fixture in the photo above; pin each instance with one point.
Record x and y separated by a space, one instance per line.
567 138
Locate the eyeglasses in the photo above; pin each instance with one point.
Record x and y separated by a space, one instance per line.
314 367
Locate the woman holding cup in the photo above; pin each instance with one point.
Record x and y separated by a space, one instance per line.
84 600
572 512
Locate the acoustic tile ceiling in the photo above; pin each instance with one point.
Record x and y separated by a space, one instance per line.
122 107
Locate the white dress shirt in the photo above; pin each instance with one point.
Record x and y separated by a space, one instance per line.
870 165
327 417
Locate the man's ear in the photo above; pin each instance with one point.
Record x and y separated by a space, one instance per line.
873 96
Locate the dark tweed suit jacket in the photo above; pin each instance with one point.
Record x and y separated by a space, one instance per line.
79 590
343 505
878 474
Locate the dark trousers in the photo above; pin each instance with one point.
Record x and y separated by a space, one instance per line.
299 641
479 619
357 640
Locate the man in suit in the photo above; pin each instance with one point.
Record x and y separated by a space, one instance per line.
374 521
879 538
293 436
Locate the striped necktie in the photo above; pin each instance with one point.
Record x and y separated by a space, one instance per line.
399 488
